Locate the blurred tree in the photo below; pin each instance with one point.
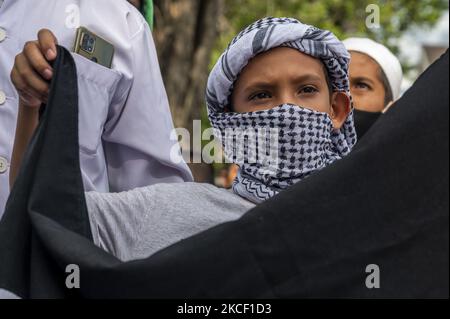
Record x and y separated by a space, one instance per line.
185 34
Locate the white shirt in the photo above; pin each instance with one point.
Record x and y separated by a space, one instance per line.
124 116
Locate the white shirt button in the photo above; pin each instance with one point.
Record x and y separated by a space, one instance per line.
2 35
2 97
3 165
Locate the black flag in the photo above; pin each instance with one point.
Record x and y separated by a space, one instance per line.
49 185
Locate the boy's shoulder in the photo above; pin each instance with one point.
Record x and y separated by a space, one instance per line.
203 194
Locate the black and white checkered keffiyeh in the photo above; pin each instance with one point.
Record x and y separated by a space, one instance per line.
278 147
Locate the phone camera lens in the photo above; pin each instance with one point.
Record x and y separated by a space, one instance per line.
88 43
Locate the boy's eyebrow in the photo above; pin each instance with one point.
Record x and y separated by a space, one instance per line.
361 79
309 77
259 85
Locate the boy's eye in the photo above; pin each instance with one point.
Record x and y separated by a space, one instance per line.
362 86
308 90
260 96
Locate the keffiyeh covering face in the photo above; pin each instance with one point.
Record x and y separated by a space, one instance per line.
277 148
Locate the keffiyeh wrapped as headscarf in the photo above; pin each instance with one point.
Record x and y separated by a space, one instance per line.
305 140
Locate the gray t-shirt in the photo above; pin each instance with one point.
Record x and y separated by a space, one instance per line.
136 224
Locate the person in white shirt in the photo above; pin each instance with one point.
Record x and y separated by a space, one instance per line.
376 77
125 121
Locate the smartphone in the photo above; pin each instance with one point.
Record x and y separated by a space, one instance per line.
93 47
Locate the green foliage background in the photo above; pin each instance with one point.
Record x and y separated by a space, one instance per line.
343 17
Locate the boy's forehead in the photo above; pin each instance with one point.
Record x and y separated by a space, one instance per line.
283 61
280 54
362 64
362 58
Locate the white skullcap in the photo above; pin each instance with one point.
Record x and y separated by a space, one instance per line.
383 56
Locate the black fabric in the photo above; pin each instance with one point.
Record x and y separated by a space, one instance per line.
49 184
364 121
385 204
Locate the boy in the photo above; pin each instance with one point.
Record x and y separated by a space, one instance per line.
267 71
375 76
